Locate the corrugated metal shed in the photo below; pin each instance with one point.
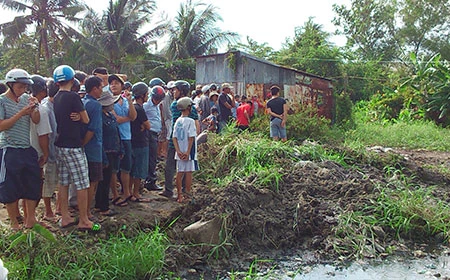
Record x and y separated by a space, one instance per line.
251 76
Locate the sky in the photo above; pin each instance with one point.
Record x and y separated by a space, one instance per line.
268 22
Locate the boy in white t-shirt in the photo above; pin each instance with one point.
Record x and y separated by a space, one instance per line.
184 134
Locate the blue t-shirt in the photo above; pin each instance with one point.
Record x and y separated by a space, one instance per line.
123 110
93 148
153 115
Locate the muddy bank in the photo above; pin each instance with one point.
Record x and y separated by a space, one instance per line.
269 223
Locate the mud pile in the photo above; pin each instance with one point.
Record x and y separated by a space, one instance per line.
298 215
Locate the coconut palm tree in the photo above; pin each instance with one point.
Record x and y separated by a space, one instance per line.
50 22
116 38
194 32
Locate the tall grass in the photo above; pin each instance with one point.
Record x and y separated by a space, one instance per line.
119 257
400 208
232 156
412 134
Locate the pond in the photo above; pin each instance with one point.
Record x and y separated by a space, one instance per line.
396 268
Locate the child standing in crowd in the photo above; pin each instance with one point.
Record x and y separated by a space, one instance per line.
211 122
20 173
184 134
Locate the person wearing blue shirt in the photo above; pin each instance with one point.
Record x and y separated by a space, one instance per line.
125 113
153 113
92 140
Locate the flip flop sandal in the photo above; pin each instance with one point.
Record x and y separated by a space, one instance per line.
108 213
94 229
74 223
137 199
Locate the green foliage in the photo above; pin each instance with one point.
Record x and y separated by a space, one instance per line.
241 156
415 134
344 109
311 51
306 124
252 47
400 207
119 257
194 31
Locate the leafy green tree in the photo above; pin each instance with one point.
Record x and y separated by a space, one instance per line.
50 22
116 39
194 32
311 51
263 51
424 27
369 26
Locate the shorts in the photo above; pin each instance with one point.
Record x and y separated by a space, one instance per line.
50 179
187 165
139 168
276 130
72 167
125 161
168 124
95 171
20 175
162 136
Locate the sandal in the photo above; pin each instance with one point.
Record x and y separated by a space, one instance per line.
93 229
123 203
139 199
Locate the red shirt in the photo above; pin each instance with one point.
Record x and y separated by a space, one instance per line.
241 119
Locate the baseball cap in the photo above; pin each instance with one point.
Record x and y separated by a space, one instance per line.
183 103
113 77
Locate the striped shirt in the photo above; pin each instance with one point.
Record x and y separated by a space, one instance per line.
18 136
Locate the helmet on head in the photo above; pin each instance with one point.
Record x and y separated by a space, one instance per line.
183 87
18 76
39 84
156 82
63 73
53 88
158 93
76 85
213 87
171 84
127 85
139 89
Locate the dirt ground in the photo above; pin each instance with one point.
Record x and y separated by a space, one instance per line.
262 223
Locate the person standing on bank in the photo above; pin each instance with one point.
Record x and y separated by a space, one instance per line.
226 102
181 89
139 142
20 176
71 160
153 112
277 109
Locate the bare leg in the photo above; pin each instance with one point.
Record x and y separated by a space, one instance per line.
136 184
82 199
179 181
48 208
11 208
30 210
125 177
64 202
91 195
188 181
113 186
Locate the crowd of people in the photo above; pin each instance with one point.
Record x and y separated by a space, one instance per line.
81 136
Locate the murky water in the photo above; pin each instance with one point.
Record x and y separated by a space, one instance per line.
424 268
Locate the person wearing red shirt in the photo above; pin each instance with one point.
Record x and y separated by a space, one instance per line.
243 113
